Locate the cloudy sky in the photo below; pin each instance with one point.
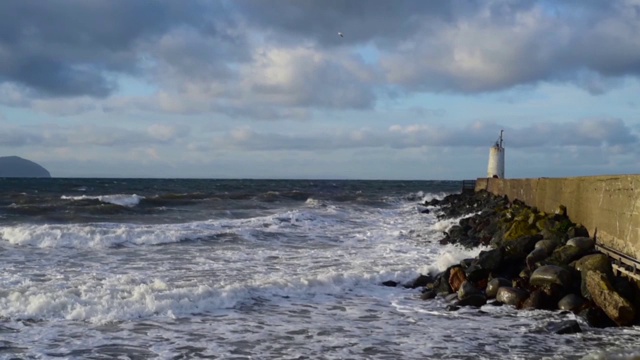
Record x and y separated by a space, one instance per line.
268 89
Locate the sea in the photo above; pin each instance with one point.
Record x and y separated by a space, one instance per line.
249 269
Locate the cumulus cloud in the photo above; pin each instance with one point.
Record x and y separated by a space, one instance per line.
275 59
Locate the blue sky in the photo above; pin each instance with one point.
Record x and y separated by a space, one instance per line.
267 88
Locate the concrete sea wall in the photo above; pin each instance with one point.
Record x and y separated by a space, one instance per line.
609 205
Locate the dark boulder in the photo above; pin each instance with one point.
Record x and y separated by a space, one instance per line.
564 327
550 274
571 302
511 296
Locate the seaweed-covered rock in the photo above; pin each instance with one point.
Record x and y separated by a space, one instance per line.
565 254
595 262
617 308
518 249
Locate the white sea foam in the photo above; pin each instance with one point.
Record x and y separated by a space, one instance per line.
304 282
116 199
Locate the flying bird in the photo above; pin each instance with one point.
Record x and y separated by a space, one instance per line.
339 33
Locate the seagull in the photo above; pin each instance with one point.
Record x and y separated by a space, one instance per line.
340 34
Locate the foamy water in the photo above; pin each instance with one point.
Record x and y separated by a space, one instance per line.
296 280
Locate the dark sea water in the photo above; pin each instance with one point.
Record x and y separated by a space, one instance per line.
247 269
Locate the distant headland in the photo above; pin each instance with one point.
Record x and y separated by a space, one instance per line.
15 166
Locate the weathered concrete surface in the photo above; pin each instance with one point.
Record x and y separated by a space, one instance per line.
610 204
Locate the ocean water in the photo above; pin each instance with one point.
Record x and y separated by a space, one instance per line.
248 269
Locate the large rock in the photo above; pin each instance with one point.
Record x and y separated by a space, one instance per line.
456 278
571 302
565 254
550 274
520 228
494 284
491 259
595 262
467 289
535 256
547 244
564 327
617 308
511 296
584 243
516 250
475 300
595 317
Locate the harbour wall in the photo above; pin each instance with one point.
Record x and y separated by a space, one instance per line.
608 206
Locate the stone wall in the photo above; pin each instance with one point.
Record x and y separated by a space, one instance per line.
609 205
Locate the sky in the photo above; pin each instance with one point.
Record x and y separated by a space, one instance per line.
413 90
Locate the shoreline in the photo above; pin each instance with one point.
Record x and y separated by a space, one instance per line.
536 260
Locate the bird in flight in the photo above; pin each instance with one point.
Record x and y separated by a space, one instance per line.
340 34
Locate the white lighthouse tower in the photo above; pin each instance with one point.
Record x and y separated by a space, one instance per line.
496 159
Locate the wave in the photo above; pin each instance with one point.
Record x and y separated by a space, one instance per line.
112 235
116 199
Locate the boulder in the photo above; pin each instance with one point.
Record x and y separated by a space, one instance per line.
475 300
594 262
565 254
564 327
476 273
441 282
420 281
428 295
491 259
578 231
547 244
456 278
511 296
550 274
595 317
535 256
516 250
617 308
467 289
571 302
520 228
450 298
494 284
584 243
534 301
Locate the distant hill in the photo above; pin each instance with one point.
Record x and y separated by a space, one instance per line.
14 166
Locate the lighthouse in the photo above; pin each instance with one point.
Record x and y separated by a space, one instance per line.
496 159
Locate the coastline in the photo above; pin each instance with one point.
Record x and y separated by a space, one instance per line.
537 260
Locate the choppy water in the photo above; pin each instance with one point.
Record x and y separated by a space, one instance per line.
246 269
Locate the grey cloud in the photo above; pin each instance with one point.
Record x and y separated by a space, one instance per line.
205 56
66 47
13 136
611 134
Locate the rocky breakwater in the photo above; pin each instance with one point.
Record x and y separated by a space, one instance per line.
534 260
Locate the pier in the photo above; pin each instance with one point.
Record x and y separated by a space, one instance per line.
608 206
